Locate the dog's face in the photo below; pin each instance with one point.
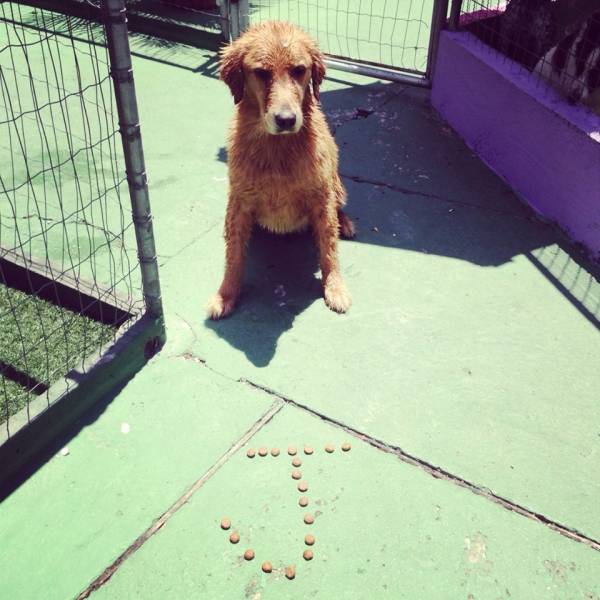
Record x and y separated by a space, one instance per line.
271 67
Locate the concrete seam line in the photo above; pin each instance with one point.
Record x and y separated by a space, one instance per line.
277 405
439 473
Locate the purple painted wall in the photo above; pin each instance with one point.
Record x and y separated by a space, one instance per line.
547 150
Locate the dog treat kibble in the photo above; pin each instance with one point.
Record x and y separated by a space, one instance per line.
302 486
234 538
329 448
225 523
296 462
308 450
346 446
303 501
296 474
251 453
262 451
290 572
249 554
292 450
309 519
275 452
307 555
267 567
309 539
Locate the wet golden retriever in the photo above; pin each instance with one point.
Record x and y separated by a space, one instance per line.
283 160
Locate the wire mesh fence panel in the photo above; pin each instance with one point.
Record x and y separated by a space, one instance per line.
387 33
557 40
69 269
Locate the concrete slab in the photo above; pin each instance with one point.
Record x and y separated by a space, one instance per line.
457 343
460 348
130 461
383 529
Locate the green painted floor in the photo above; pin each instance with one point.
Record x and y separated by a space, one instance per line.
471 351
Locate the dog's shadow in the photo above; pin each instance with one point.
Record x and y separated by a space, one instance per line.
280 283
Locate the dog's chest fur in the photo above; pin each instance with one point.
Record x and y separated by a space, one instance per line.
281 179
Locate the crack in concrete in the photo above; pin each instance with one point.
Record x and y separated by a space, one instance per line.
410 192
182 500
167 257
438 472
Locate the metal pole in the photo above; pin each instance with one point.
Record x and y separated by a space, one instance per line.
244 12
377 72
454 14
224 20
438 22
121 71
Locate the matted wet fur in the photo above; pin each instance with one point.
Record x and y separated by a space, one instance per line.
283 160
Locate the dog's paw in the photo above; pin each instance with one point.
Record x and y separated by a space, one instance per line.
347 227
219 307
337 296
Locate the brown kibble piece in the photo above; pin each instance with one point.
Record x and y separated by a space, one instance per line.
303 501
234 538
249 554
296 474
307 555
262 451
290 572
297 462
309 519
267 567
329 448
225 523
292 450
302 486
308 450
346 446
309 539
251 453
275 452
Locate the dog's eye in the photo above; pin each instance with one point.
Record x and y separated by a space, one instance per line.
262 74
298 71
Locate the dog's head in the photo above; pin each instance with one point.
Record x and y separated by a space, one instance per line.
272 67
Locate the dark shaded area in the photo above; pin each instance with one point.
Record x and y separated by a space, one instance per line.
405 175
280 283
527 29
31 281
32 446
23 379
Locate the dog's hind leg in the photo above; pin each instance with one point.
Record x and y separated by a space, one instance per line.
347 228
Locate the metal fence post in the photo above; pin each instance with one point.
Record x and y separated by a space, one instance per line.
438 22
455 14
115 21
239 15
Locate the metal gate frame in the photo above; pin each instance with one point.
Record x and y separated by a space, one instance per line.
236 13
115 363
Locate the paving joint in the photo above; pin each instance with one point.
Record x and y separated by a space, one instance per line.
104 577
409 192
437 472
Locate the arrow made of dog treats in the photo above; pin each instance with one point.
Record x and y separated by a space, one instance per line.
303 501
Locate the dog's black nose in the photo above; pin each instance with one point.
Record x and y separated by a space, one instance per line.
285 120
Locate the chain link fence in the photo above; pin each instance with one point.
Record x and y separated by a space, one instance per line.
557 40
76 270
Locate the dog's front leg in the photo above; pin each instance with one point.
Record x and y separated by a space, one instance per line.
325 225
238 226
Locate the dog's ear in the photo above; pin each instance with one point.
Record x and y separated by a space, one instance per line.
231 69
318 71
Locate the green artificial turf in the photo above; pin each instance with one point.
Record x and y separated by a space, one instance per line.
40 342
